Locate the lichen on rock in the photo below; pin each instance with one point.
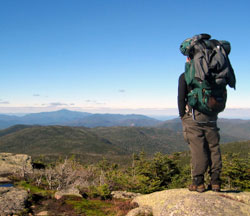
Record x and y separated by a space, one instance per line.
124 195
68 192
181 202
12 163
12 200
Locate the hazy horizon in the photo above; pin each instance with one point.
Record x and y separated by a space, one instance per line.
164 114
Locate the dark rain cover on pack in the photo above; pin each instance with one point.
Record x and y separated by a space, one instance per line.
207 73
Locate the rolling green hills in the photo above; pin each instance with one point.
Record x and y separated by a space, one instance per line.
92 144
231 130
150 140
13 129
55 141
241 148
89 144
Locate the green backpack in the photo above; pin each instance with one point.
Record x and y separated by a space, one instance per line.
207 73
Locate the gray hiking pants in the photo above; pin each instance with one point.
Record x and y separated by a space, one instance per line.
203 138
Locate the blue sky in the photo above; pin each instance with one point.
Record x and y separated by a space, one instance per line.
111 55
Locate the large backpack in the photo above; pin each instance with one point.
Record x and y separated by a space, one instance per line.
207 73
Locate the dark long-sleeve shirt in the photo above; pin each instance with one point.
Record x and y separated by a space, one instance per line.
182 95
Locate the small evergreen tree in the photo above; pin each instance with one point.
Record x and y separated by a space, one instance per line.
236 172
154 174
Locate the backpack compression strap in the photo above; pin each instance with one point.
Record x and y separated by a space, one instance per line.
198 40
187 45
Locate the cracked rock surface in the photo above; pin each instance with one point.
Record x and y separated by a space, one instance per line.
181 202
12 200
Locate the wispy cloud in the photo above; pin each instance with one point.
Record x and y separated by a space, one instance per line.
94 102
121 91
57 104
39 95
90 101
4 102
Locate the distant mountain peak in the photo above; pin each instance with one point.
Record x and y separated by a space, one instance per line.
76 118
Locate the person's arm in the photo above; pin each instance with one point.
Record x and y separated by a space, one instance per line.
182 95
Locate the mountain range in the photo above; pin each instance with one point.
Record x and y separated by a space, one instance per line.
73 118
231 129
90 137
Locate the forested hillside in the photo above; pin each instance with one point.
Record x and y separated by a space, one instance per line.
89 144
230 129
92 144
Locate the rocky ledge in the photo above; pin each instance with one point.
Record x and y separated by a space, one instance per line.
12 200
181 202
13 163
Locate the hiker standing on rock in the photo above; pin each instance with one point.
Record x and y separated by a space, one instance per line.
201 96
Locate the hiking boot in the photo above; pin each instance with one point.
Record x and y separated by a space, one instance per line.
198 188
215 187
215 178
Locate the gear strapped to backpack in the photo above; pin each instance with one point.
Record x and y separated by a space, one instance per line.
207 73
